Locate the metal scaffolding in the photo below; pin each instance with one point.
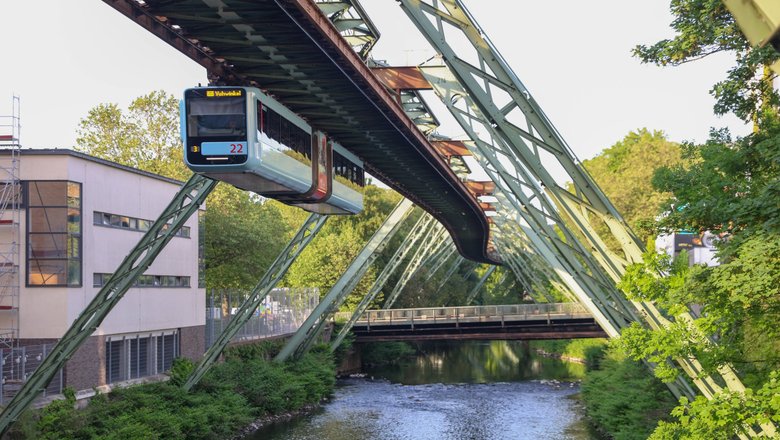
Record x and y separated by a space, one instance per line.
10 234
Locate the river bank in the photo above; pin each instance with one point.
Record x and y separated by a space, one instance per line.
230 400
620 397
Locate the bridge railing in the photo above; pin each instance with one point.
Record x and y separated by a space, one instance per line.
472 313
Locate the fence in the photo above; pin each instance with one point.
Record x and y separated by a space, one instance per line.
282 312
473 313
18 364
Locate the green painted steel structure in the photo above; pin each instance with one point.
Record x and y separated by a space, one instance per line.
409 243
475 291
306 233
490 102
310 329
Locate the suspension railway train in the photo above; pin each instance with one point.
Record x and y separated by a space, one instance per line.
246 138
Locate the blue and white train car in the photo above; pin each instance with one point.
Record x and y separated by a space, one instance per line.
243 137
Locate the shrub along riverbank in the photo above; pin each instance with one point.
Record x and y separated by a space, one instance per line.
621 397
246 387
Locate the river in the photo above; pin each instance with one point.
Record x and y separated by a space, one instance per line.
451 391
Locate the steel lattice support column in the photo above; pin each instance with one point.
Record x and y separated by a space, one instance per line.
436 236
275 272
186 202
309 330
440 260
411 240
497 103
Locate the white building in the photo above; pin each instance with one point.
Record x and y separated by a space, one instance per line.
79 217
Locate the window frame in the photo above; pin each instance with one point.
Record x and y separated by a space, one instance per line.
27 251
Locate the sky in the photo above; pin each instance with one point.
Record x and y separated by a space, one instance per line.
64 58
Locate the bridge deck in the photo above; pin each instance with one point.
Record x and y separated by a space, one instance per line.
522 321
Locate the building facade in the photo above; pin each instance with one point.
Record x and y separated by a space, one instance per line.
80 217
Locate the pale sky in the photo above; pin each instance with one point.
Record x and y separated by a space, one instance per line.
64 57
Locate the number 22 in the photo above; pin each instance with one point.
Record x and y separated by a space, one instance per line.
237 148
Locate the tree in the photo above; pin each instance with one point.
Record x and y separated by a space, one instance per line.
703 28
625 170
342 238
145 137
729 186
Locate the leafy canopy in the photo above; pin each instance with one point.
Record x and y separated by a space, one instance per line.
703 28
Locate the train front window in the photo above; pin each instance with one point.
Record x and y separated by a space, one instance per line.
216 117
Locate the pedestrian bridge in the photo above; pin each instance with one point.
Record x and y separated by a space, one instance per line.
517 321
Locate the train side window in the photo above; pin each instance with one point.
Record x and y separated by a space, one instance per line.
273 125
285 134
262 117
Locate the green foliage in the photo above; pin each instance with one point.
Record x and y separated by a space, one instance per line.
144 137
740 308
265 350
625 170
229 397
724 416
623 399
705 27
385 353
591 351
180 370
729 186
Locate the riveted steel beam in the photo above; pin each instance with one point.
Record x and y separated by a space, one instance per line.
306 233
415 235
309 330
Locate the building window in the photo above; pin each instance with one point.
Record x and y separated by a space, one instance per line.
100 280
53 233
131 223
132 357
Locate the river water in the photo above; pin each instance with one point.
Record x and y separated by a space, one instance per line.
451 391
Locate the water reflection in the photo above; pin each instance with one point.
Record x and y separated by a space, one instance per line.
477 362
465 391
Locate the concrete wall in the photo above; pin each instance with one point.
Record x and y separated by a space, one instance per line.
46 312
193 342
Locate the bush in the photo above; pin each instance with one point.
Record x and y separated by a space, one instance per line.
180 371
623 398
228 398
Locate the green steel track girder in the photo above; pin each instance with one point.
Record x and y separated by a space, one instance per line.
186 202
308 230
436 236
415 235
526 258
436 252
508 104
309 330
475 291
